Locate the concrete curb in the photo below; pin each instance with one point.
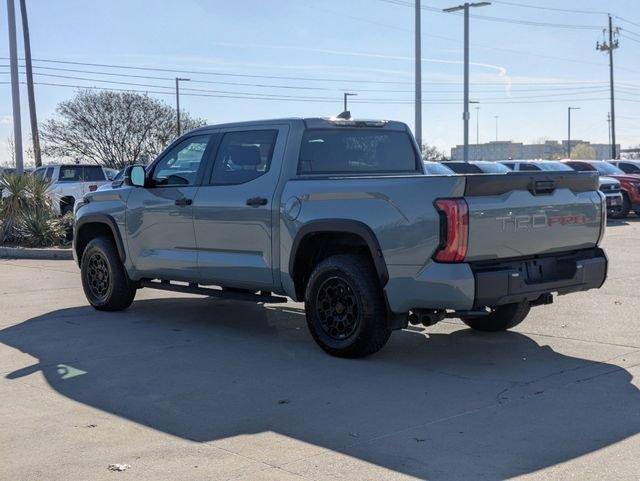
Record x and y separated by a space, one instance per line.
35 253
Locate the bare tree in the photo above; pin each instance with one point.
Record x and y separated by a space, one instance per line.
583 152
11 150
114 129
430 152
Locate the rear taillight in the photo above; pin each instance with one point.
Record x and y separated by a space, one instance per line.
454 228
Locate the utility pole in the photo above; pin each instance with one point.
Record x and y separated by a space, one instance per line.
418 75
478 125
30 91
178 80
496 117
610 47
347 95
465 114
569 109
15 86
609 127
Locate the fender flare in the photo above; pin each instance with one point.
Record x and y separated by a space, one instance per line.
349 226
107 220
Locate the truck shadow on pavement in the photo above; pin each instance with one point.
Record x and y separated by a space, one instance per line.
459 405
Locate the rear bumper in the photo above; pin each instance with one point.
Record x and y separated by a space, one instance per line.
519 280
468 286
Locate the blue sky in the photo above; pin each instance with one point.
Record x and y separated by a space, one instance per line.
527 75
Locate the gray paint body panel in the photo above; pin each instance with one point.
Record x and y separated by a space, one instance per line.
220 240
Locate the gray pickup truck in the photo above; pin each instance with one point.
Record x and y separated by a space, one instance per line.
340 214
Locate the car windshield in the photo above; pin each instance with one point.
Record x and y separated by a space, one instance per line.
553 166
436 168
492 167
607 169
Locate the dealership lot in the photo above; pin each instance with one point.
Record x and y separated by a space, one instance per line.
185 387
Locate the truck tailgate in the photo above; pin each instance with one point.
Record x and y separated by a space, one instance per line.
524 214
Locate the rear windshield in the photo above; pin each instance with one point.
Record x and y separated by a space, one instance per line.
436 168
360 151
554 166
492 167
607 169
70 173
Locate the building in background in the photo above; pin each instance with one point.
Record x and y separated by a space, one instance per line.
549 150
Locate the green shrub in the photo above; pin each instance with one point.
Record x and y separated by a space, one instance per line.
26 213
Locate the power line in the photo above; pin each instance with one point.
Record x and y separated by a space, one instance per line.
315 100
514 21
551 9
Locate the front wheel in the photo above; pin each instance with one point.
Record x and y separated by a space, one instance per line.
345 307
104 280
623 211
500 319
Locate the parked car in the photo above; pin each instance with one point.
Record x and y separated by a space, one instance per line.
339 214
629 183
608 186
436 168
70 182
627 166
476 167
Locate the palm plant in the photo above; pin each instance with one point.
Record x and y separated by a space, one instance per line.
15 200
26 212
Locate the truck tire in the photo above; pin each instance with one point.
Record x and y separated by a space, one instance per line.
623 211
502 318
345 307
104 280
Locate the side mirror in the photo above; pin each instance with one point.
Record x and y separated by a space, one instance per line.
135 176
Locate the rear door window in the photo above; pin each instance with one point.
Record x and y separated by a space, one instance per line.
48 174
357 151
243 156
70 173
93 174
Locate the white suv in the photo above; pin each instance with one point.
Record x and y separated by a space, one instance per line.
69 182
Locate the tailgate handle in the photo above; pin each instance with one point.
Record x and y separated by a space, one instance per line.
541 187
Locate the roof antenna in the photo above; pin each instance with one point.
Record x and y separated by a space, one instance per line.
346 115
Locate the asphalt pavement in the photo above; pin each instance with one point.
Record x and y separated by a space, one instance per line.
183 387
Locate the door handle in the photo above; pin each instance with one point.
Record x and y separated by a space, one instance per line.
257 201
184 201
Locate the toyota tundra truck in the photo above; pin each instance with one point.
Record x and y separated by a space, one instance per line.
340 215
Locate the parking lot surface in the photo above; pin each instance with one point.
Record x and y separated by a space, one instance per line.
186 387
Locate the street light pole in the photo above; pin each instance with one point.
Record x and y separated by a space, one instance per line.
496 117
418 75
569 109
15 86
346 95
465 115
178 80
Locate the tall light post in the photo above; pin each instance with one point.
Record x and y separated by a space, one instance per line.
465 114
15 86
569 109
496 117
346 96
477 108
609 128
178 80
418 75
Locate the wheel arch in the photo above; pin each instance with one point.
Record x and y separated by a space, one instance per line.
92 225
316 240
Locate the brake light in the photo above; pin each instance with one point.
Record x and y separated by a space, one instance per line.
454 215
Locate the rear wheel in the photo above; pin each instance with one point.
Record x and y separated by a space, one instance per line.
345 307
104 280
501 318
